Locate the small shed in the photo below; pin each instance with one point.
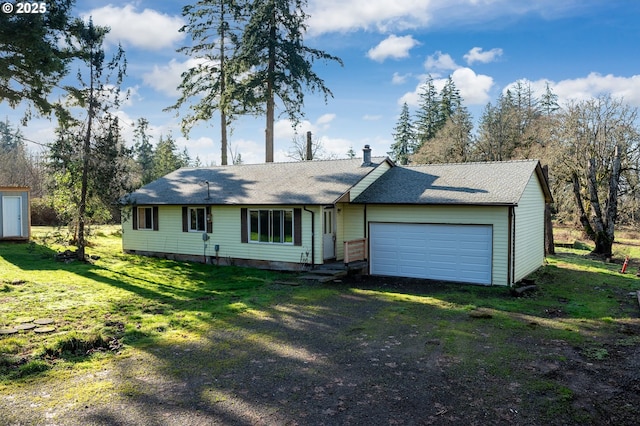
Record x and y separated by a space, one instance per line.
15 213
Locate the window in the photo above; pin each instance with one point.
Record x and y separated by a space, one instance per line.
197 219
145 218
271 226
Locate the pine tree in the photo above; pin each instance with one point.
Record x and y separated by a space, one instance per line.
33 60
276 62
450 101
428 114
167 158
84 153
549 102
215 27
143 151
403 136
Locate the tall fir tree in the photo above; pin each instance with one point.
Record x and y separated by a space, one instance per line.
427 119
86 149
143 151
33 59
215 28
404 137
276 62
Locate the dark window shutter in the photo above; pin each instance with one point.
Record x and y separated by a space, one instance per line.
209 219
155 218
185 220
297 227
134 212
244 231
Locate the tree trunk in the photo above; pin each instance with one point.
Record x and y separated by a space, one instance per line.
549 247
84 185
271 71
582 214
223 87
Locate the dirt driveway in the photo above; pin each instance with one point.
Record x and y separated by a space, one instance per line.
354 358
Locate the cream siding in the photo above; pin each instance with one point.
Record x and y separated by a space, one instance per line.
529 230
369 179
350 225
226 234
497 217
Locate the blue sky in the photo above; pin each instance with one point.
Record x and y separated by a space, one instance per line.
581 48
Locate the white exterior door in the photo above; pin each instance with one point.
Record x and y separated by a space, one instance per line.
12 216
439 252
329 233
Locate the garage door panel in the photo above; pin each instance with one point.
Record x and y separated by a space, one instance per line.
441 252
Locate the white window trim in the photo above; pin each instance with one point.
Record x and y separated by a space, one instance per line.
285 243
150 225
204 209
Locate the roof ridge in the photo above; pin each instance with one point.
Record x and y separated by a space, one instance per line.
524 160
326 160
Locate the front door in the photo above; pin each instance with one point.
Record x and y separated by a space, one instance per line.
329 233
12 216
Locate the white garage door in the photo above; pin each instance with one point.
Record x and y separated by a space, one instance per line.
439 252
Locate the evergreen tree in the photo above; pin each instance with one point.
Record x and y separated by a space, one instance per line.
549 102
32 60
450 101
85 151
215 27
276 62
452 143
10 139
428 113
143 151
167 158
351 153
403 136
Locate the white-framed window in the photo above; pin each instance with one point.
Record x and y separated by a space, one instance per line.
145 218
271 226
197 219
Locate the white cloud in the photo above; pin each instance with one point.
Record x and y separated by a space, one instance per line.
392 47
399 78
348 15
325 119
387 16
440 61
147 29
477 54
369 117
166 78
591 86
474 88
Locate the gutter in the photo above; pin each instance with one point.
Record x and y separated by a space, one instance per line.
313 236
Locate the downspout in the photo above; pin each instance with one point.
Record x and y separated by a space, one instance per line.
512 246
313 236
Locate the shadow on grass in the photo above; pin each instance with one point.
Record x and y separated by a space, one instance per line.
373 351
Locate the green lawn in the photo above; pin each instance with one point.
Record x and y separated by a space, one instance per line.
122 307
119 299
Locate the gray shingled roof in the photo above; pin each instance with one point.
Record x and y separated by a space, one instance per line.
308 182
493 183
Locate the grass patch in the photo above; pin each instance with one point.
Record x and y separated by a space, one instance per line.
123 310
118 301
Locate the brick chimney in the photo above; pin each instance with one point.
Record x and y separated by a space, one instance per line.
366 155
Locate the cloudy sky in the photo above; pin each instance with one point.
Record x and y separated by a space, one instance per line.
581 48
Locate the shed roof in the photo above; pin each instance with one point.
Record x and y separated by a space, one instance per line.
490 183
305 182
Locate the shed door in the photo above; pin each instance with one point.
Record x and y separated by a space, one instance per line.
439 252
11 216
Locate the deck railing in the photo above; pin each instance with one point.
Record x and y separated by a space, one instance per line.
355 250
